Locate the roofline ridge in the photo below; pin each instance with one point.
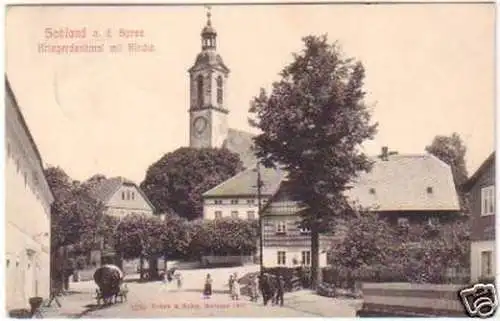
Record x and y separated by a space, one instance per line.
227 180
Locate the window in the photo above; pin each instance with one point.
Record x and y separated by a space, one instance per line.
250 201
281 228
281 258
251 215
403 221
486 263
306 258
305 230
200 90
488 200
429 190
133 195
234 202
218 202
18 166
123 195
218 215
234 214
219 90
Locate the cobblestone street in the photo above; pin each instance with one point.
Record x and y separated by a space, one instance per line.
155 300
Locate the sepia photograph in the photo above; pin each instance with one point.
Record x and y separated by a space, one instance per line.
250 160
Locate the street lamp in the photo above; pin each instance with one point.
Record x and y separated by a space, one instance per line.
260 184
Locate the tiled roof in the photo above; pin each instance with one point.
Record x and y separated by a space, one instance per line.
104 189
406 183
400 183
245 182
240 142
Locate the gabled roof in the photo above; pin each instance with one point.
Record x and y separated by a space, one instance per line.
241 142
490 161
245 182
406 183
104 189
9 93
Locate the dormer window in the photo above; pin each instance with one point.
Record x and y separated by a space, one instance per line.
305 230
429 190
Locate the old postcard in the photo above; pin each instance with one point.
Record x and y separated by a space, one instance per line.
307 160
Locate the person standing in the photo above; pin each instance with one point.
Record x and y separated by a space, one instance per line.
280 290
179 280
254 294
231 282
207 292
236 288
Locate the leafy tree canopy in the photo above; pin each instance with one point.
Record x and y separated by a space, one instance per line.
176 182
313 123
452 150
75 214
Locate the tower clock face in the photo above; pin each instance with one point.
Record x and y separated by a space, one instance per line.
199 123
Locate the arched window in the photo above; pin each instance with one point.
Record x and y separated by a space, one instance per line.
219 90
199 90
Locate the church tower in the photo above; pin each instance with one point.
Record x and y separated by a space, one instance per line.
208 113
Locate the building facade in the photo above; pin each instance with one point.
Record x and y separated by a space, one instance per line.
285 242
482 199
121 197
27 214
237 197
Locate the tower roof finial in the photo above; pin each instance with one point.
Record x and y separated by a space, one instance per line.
209 15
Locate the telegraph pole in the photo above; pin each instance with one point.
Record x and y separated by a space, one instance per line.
261 232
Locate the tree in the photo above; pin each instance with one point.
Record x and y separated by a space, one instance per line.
176 182
452 150
313 124
224 237
367 242
74 214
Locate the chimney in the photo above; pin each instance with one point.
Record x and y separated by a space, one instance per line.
385 153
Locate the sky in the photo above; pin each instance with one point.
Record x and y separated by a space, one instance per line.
429 71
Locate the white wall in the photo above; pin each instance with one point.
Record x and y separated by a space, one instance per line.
27 237
475 258
270 256
209 207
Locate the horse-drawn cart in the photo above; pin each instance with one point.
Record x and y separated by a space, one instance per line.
109 280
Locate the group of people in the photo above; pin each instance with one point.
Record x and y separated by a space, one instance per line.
169 276
271 286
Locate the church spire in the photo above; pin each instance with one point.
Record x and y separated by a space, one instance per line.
208 34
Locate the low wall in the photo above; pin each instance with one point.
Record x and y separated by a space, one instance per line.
223 260
407 299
